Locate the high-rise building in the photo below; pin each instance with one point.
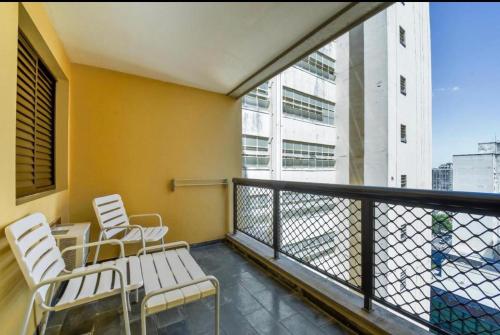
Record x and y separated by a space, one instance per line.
357 111
442 177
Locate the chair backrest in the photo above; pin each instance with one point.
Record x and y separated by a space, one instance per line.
110 212
35 250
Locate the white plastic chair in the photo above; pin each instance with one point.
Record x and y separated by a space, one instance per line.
113 219
43 267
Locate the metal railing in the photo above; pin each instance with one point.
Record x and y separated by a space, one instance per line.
432 257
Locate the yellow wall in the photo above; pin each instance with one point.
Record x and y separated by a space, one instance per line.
13 290
131 135
128 135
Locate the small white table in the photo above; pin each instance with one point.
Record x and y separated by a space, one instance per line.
69 234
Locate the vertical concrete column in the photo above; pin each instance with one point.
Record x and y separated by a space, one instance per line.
276 110
356 145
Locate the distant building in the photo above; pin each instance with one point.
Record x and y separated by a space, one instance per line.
478 172
442 177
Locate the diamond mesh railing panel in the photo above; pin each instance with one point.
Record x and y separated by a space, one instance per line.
423 255
441 267
323 233
255 212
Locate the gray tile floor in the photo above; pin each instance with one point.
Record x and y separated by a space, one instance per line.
252 302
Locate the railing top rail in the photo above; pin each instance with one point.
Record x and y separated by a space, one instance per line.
473 202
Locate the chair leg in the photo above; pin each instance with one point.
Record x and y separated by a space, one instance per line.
44 322
143 320
163 243
97 248
46 314
137 295
129 305
126 320
27 314
217 309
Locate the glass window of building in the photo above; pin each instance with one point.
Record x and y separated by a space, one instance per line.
402 85
301 155
257 99
402 36
255 152
403 133
403 181
308 107
319 64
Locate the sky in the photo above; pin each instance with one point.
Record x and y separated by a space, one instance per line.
465 48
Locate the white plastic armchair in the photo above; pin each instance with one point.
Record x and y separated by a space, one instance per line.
42 265
113 219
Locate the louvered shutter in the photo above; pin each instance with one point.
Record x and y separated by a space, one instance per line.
35 118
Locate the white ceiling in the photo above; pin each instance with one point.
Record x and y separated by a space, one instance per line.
212 46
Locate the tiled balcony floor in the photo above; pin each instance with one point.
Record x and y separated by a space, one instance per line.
251 303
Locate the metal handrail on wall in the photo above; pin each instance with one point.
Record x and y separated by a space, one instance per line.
373 226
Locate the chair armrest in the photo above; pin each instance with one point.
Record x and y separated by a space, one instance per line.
148 296
82 273
127 227
158 216
165 246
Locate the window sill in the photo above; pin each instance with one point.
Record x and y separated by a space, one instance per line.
28 198
309 170
287 116
314 75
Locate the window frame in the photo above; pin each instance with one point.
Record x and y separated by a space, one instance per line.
307 156
403 133
308 105
316 60
402 85
256 152
402 36
404 181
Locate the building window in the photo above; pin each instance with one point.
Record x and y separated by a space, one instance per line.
402 85
403 234
301 155
402 280
35 126
403 181
403 133
307 107
319 64
402 36
257 99
255 152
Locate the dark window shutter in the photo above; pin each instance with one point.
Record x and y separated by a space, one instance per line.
35 123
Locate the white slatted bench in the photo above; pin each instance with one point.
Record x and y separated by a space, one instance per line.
113 219
43 267
173 278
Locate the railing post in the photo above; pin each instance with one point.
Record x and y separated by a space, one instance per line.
276 223
367 252
235 207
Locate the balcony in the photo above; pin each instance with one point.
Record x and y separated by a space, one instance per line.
132 98
423 257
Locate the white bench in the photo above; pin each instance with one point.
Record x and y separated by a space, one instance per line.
173 278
